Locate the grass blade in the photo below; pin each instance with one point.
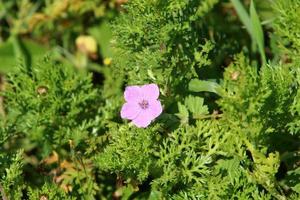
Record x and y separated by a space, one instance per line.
257 31
243 14
252 24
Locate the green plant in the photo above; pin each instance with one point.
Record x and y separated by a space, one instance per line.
230 122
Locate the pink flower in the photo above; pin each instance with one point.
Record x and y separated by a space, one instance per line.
142 104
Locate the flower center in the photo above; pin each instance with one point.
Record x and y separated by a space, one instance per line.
144 104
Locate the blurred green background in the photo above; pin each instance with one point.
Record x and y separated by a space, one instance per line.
75 32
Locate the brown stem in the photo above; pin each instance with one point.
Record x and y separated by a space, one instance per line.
215 116
4 197
2 112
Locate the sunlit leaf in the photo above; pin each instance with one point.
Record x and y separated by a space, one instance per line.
196 85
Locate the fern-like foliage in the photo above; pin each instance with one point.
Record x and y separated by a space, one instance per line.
11 176
235 136
287 28
160 41
52 104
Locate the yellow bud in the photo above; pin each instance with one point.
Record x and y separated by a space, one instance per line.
107 61
58 7
86 44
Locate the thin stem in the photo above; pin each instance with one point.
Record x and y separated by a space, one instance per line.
208 116
2 111
4 197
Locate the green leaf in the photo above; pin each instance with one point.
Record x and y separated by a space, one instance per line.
15 50
196 107
20 51
243 14
127 192
296 188
183 114
8 60
154 195
232 166
35 50
103 36
196 85
257 31
252 24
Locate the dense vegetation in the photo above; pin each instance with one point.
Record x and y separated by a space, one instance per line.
228 73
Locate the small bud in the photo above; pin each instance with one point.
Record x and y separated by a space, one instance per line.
235 75
71 143
43 197
86 44
42 90
107 61
215 112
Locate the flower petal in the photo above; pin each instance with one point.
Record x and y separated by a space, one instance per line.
150 91
155 108
130 111
143 119
133 93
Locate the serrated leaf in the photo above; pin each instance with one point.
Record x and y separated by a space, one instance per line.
183 114
232 167
195 106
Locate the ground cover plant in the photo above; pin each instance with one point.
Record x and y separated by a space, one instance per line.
150 99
